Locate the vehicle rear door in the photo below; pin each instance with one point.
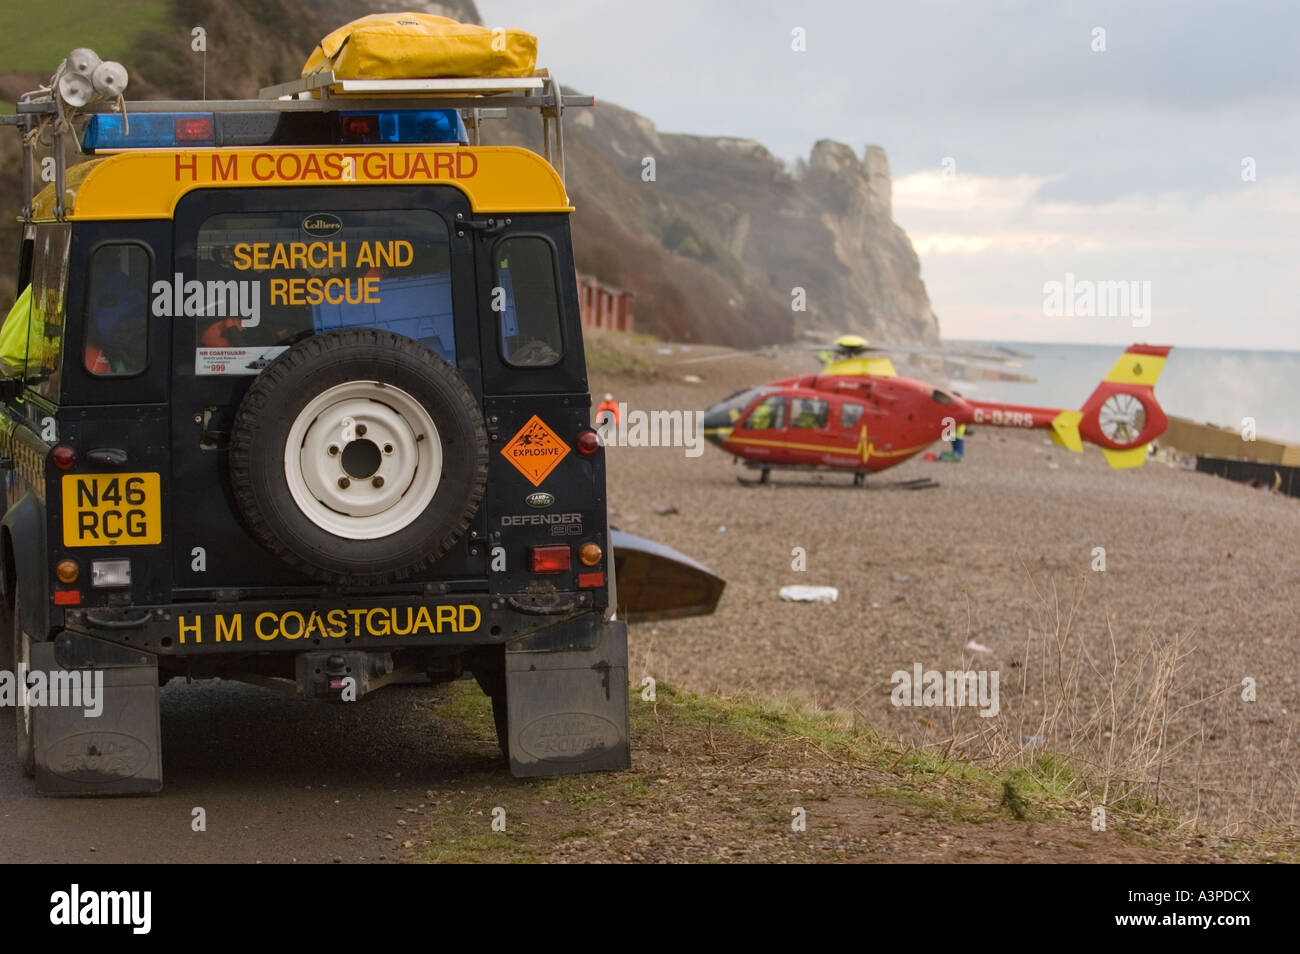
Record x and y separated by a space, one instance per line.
546 494
316 253
111 510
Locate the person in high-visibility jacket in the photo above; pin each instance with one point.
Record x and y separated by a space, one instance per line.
760 419
610 406
29 345
959 442
13 334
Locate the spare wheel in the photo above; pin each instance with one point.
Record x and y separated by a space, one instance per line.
358 456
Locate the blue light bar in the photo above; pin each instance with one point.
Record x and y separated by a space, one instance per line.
148 131
109 131
403 126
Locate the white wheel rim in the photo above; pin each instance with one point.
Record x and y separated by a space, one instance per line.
326 460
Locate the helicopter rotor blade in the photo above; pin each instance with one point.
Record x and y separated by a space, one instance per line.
769 351
959 353
973 370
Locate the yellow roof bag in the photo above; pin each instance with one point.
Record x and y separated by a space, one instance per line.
422 46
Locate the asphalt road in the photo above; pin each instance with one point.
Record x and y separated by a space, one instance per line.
281 779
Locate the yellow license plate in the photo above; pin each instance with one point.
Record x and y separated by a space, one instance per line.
104 510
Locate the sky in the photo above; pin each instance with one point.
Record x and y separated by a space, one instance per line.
1101 172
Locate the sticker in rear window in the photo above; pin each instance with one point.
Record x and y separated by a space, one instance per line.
234 360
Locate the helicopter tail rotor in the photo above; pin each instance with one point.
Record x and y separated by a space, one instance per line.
1122 416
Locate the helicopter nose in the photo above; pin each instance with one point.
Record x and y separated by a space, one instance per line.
717 424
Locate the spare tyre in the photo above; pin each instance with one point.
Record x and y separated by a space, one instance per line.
358 456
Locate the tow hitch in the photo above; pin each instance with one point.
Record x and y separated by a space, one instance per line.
342 677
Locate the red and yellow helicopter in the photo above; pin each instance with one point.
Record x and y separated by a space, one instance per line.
858 415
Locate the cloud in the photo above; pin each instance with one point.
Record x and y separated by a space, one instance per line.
1126 161
1213 262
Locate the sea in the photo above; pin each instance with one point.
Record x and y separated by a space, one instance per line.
1208 385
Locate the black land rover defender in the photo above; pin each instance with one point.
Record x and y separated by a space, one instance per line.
301 397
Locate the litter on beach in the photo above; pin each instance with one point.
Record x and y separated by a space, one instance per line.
810 594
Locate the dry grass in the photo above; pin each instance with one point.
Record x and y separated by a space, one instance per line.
1099 726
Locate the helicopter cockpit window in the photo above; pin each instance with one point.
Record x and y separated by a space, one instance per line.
939 397
728 411
809 413
768 414
850 414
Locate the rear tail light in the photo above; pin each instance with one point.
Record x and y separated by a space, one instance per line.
588 442
588 580
589 554
67 598
64 457
550 559
67 571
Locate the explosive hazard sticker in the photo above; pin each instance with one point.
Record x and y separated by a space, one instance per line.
535 450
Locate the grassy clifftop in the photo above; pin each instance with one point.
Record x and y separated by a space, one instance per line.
745 779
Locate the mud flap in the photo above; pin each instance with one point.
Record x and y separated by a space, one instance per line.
566 696
117 752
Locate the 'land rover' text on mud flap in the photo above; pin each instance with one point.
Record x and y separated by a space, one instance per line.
567 695
114 751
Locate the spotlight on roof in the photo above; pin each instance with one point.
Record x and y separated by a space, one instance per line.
76 90
83 77
83 60
109 79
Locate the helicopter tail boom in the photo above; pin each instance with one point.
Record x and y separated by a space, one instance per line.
1121 416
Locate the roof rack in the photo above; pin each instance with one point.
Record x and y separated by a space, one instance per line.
477 98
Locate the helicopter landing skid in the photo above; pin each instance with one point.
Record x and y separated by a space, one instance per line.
859 480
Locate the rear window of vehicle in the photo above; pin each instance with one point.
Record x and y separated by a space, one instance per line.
269 279
117 311
48 309
526 296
